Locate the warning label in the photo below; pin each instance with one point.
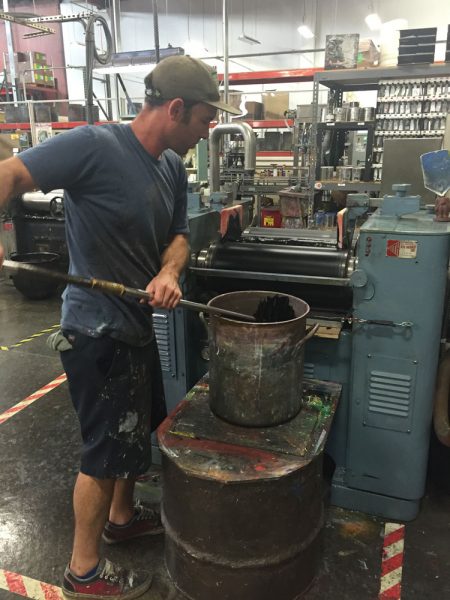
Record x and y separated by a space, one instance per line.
401 248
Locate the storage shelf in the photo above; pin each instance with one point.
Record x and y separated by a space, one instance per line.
358 186
349 125
415 133
277 76
413 98
428 115
55 125
359 79
263 124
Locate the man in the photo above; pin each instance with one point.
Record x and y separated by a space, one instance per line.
126 220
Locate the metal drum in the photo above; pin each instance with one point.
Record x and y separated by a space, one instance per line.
243 513
256 369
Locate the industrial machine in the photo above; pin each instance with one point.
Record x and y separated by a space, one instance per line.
38 223
380 298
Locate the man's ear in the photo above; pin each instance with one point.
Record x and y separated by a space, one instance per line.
176 108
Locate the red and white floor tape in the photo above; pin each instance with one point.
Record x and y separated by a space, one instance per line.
32 398
30 588
392 562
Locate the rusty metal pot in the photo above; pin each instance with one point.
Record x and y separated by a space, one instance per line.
256 369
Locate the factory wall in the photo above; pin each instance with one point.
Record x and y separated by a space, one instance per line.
51 45
274 24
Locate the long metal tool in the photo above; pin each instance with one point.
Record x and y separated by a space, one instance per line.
117 289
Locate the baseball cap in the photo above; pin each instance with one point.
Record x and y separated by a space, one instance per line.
187 78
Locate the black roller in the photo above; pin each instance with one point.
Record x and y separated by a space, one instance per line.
272 258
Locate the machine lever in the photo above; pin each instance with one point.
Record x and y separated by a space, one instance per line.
382 322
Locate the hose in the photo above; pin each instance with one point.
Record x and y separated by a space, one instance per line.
91 54
441 413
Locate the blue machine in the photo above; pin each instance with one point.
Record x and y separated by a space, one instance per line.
387 302
381 435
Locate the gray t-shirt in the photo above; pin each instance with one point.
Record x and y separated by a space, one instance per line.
122 206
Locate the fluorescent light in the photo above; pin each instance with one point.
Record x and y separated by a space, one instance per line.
305 32
116 69
194 48
248 39
373 22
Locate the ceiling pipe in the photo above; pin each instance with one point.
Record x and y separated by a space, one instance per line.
256 54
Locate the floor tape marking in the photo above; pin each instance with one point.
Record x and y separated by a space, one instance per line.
32 398
31 338
392 562
29 588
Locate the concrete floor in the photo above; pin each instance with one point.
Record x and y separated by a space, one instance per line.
39 449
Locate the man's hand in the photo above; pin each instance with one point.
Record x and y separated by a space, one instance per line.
442 208
164 290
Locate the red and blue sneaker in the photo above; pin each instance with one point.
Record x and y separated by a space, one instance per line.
110 582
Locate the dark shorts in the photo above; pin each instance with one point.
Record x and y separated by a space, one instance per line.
118 394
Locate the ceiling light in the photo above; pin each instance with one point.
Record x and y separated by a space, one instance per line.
373 22
120 69
195 49
248 39
305 32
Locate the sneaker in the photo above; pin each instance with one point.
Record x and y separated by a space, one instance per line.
146 521
110 582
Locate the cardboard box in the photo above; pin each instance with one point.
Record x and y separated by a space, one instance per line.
368 54
255 111
341 51
275 105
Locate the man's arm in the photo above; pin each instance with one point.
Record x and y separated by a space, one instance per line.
15 179
164 288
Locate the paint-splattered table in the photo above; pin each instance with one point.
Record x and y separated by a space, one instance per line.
242 507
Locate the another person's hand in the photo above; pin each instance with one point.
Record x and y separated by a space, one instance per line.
442 208
2 255
164 290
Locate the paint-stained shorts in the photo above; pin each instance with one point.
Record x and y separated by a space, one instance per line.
118 394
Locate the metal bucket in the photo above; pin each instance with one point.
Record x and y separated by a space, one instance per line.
256 369
344 173
326 173
369 113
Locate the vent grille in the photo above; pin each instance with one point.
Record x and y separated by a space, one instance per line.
308 370
390 393
162 332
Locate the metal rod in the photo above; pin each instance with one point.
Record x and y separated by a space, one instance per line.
255 54
118 289
156 29
10 47
225 55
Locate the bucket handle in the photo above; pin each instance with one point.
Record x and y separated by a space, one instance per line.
311 332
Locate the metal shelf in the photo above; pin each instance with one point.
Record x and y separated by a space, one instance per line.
55 125
368 79
348 125
353 186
